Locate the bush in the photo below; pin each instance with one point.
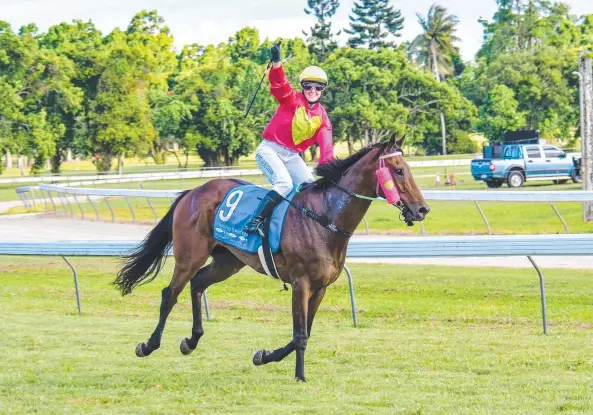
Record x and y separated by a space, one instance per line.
460 142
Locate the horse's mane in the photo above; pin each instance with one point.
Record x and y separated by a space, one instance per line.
333 170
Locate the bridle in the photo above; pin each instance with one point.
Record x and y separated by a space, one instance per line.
396 190
327 220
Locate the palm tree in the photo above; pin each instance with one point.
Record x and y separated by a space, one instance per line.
433 48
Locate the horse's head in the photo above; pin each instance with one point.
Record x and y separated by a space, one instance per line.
406 195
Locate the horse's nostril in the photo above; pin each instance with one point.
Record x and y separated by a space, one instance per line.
423 210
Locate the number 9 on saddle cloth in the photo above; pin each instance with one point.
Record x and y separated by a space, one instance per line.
236 209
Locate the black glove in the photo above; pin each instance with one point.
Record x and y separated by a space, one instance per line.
275 53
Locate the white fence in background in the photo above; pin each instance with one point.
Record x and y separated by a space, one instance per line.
27 195
77 180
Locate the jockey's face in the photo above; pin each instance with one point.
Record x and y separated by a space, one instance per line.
312 90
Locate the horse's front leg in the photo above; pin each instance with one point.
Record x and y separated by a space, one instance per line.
300 306
263 357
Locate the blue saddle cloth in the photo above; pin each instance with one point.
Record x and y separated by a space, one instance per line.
236 209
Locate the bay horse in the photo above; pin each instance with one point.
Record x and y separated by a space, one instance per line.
311 255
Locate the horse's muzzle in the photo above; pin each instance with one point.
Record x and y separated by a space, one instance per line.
414 214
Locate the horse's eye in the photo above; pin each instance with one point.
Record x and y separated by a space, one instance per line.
399 172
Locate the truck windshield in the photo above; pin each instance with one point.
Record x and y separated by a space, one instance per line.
512 152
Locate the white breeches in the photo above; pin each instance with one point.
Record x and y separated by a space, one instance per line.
283 167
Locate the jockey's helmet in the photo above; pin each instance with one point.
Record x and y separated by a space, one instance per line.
313 74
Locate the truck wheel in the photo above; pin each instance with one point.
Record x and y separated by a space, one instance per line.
515 179
494 184
576 176
560 181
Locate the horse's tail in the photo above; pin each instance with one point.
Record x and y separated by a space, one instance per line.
143 265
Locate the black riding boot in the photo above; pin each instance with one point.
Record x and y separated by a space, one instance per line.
264 209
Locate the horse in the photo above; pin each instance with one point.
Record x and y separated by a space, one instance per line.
312 249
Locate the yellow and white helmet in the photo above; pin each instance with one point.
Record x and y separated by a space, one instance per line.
313 74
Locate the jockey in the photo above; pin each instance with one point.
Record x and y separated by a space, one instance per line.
299 121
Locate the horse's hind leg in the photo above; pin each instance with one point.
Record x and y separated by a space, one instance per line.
223 266
184 271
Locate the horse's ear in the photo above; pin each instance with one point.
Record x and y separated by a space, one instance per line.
392 139
400 142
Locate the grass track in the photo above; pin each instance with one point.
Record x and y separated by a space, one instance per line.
432 340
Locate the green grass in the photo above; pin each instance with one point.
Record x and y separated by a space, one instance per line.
431 340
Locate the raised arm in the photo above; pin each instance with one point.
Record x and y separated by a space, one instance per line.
279 86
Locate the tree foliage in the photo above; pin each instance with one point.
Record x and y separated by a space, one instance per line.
373 23
320 39
434 49
130 92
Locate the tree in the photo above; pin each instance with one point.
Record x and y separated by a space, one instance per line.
434 48
543 84
500 113
376 94
168 113
372 22
244 45
82 44
153 61
121 112
320 40
15 58
221 130
519 26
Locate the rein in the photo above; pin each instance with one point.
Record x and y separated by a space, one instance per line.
327 220
322 220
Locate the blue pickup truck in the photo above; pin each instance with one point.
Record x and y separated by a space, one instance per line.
515 164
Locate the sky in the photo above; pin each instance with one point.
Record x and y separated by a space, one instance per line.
214 21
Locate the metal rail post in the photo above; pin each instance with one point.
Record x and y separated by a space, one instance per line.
44 200
61 196
560 216
79 207
131 209
69 206
93 205
156 219
352 299
52 202
32 196
24 200
206 306
111 210
542 291
75 284
484 218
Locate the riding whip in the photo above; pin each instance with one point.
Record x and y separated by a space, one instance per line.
260 82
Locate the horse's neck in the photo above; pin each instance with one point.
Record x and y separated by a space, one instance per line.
360 179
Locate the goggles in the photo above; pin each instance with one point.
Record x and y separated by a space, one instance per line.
307 86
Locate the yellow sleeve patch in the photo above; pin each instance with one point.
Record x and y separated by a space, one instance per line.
304 127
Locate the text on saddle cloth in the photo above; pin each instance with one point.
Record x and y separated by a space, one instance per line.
236 210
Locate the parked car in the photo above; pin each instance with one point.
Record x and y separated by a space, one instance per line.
519 163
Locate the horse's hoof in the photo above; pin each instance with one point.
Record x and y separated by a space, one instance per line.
258 357
140 352
300 379
184 347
